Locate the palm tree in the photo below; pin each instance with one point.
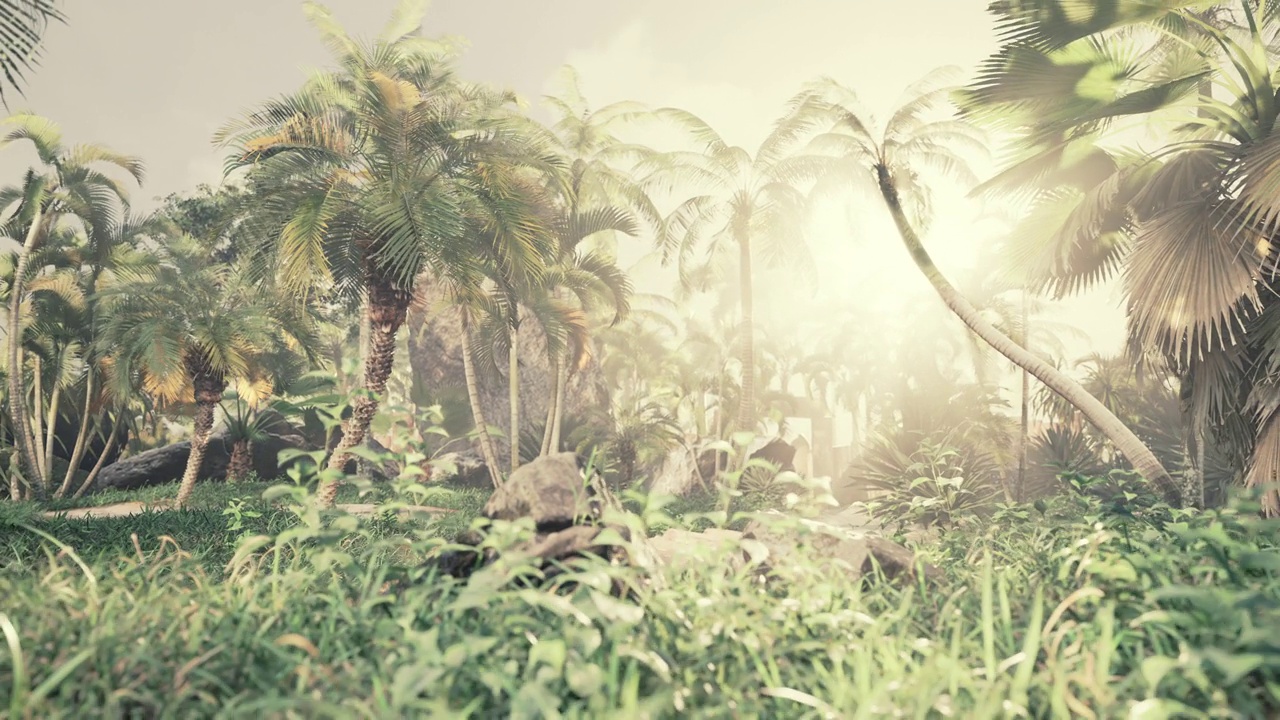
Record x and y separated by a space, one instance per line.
72 187
750 203
186 326
22 26
912 144
598 202
1191 224
373 174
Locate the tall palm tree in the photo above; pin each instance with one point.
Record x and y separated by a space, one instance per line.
896 162
22 27
1190 225
72 187
373 173
186 326
599 202
745 203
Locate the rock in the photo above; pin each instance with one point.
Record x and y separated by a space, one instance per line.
779 453
835 548
678 475
569 513
435 356
469 470
771 543
678 548
550 490
167 464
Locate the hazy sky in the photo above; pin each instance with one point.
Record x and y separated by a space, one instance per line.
155 78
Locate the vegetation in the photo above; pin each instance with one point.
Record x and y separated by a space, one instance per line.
409 286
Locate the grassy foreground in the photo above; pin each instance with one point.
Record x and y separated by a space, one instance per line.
249 609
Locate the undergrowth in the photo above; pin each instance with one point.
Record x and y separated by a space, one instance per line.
1073 608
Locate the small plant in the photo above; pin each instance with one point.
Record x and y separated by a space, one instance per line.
932 490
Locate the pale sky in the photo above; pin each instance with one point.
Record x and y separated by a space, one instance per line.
155 78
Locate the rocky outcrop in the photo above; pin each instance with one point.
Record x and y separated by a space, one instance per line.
435 356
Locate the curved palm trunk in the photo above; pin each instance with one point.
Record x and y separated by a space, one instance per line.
116 426
1129 445
241 461
1024 424
82 437
28 462
747 403
487 450
208 387
387 308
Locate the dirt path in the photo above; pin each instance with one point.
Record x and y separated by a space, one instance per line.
126 509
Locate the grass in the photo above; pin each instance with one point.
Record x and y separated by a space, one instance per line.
1076 611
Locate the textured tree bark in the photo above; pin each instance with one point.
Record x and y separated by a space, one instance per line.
241 461
1126 442
387 308
199 441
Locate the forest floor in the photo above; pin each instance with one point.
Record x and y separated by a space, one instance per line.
239 607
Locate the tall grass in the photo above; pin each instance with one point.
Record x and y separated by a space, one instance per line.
1073 610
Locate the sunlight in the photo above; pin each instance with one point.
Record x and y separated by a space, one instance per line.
387 358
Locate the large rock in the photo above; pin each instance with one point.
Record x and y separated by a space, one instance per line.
569 513
435 356
167 464
775 541
834 548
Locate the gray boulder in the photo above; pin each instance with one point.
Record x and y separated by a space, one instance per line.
569 513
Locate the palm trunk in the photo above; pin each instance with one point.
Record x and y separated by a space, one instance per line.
51 435
562 380
241 461
487 450
37 418
551 408
25 443
386 313
1024 431
102 457
746 403
513 385
1139 455
203 428
82 437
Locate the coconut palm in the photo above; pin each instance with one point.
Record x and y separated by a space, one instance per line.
373 174
896 164
745 203
22 27
185 327
1190 224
